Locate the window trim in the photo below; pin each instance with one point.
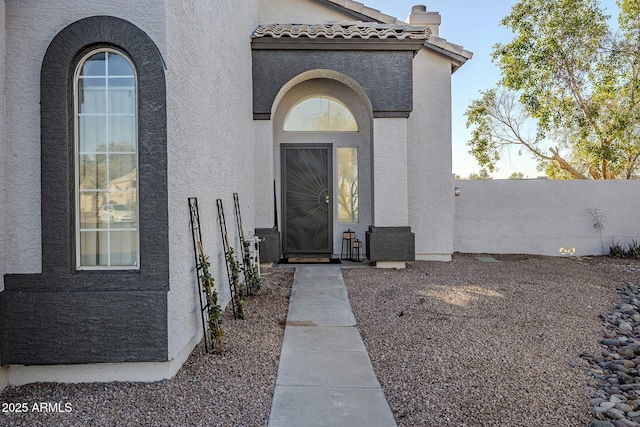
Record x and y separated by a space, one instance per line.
76 163
57 165
134 328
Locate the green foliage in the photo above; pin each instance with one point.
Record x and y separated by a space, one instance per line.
554 171
250 270
516 175
625 250
238 293
567 74
482 175
214 311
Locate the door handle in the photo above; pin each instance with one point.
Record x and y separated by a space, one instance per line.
326 199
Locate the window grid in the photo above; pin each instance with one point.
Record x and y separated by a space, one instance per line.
320 113
104 193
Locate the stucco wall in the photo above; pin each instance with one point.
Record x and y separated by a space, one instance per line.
540 216
264 171
297 12
30 27
429 157
390 197
211 137
4 377
3 156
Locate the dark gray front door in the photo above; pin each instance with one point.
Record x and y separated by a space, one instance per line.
307 202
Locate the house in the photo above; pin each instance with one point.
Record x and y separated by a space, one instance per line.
323 115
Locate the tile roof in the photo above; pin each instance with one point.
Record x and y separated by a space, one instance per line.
344 30
456 52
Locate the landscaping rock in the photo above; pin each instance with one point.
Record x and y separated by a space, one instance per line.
616 368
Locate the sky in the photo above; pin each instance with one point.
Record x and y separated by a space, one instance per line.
475 26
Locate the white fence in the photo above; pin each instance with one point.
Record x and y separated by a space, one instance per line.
544 216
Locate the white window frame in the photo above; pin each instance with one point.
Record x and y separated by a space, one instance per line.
76 144
329 99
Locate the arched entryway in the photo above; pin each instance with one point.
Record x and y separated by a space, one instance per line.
322 126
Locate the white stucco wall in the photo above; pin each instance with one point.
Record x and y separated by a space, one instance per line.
431 203
264 173
4 249
211 143
541 216
4 376
297 12
390 197
30 27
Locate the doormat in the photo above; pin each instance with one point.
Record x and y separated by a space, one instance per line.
310 261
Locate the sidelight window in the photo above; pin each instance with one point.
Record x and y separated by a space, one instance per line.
347 185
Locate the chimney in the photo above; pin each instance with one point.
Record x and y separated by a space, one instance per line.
420 16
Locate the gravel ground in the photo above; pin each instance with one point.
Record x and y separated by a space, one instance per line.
230 389
466 343
477 343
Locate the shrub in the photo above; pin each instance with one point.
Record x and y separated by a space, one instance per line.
625 250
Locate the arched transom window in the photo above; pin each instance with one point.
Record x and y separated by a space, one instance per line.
106 156
320 114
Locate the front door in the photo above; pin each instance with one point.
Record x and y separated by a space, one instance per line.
307 206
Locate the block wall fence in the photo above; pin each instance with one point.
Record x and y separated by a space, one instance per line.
543 216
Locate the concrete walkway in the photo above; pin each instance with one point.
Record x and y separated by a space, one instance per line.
325 377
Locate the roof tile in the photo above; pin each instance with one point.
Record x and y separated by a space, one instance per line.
346 30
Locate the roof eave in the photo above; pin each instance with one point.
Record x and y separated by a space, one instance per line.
457 59
365 13
352 13
360 11
305 43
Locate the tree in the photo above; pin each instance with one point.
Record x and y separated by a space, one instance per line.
482 175
516 175
568 77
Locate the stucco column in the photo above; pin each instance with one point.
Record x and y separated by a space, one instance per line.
264 175
389 241
390 195
264 166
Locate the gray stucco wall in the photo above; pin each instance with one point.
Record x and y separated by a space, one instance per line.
390 88
83 327
68 316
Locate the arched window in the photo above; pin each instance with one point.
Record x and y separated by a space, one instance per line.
106 155
320 114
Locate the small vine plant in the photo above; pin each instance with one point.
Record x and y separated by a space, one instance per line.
250 270
234 270
214 311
